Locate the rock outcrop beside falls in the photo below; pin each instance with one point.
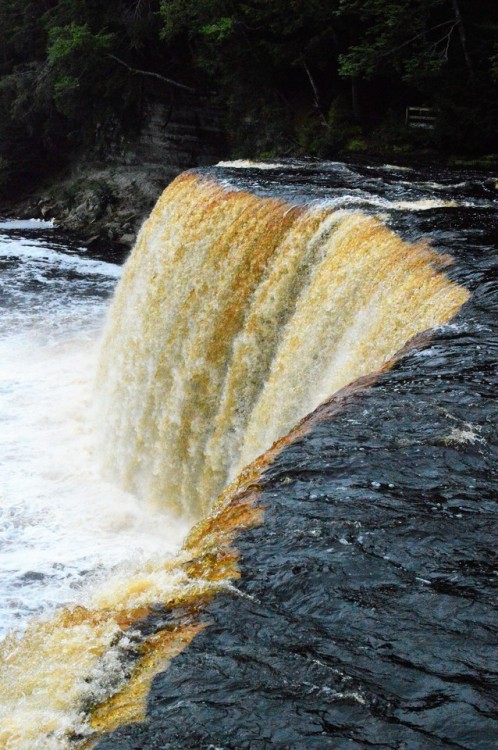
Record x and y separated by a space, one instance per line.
365 616
106 195
103 203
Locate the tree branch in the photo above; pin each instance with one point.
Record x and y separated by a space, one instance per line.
151 74
316 94
413 38
448 41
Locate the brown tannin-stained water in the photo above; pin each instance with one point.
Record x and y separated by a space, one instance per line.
256 293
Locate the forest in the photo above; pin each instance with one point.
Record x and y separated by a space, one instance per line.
294 77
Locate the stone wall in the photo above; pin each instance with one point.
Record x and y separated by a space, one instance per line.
183 133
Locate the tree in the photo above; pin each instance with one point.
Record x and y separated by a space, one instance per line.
440 50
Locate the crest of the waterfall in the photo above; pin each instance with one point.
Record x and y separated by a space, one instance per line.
236 316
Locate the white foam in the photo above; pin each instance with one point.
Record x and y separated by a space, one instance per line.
464 435
249 164
348 201
28 250
394 168
26 224
61 524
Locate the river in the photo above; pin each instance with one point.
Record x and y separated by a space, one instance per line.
359 611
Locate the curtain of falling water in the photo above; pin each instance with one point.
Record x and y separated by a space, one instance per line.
237 316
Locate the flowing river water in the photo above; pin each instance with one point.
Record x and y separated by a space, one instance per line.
60 523
255 293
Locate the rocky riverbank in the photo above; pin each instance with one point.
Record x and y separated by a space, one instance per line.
101 203
105 196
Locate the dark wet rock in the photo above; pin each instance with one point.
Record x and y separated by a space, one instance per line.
32 575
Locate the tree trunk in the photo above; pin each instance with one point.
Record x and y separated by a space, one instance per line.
463 37
316 94
355 98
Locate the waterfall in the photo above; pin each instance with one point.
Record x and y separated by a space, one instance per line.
237 315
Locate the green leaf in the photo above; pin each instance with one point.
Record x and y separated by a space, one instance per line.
219 30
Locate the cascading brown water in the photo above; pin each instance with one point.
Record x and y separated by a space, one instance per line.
236 316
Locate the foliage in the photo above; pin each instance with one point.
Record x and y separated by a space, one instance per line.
407 40
69 41
220 30
294 76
